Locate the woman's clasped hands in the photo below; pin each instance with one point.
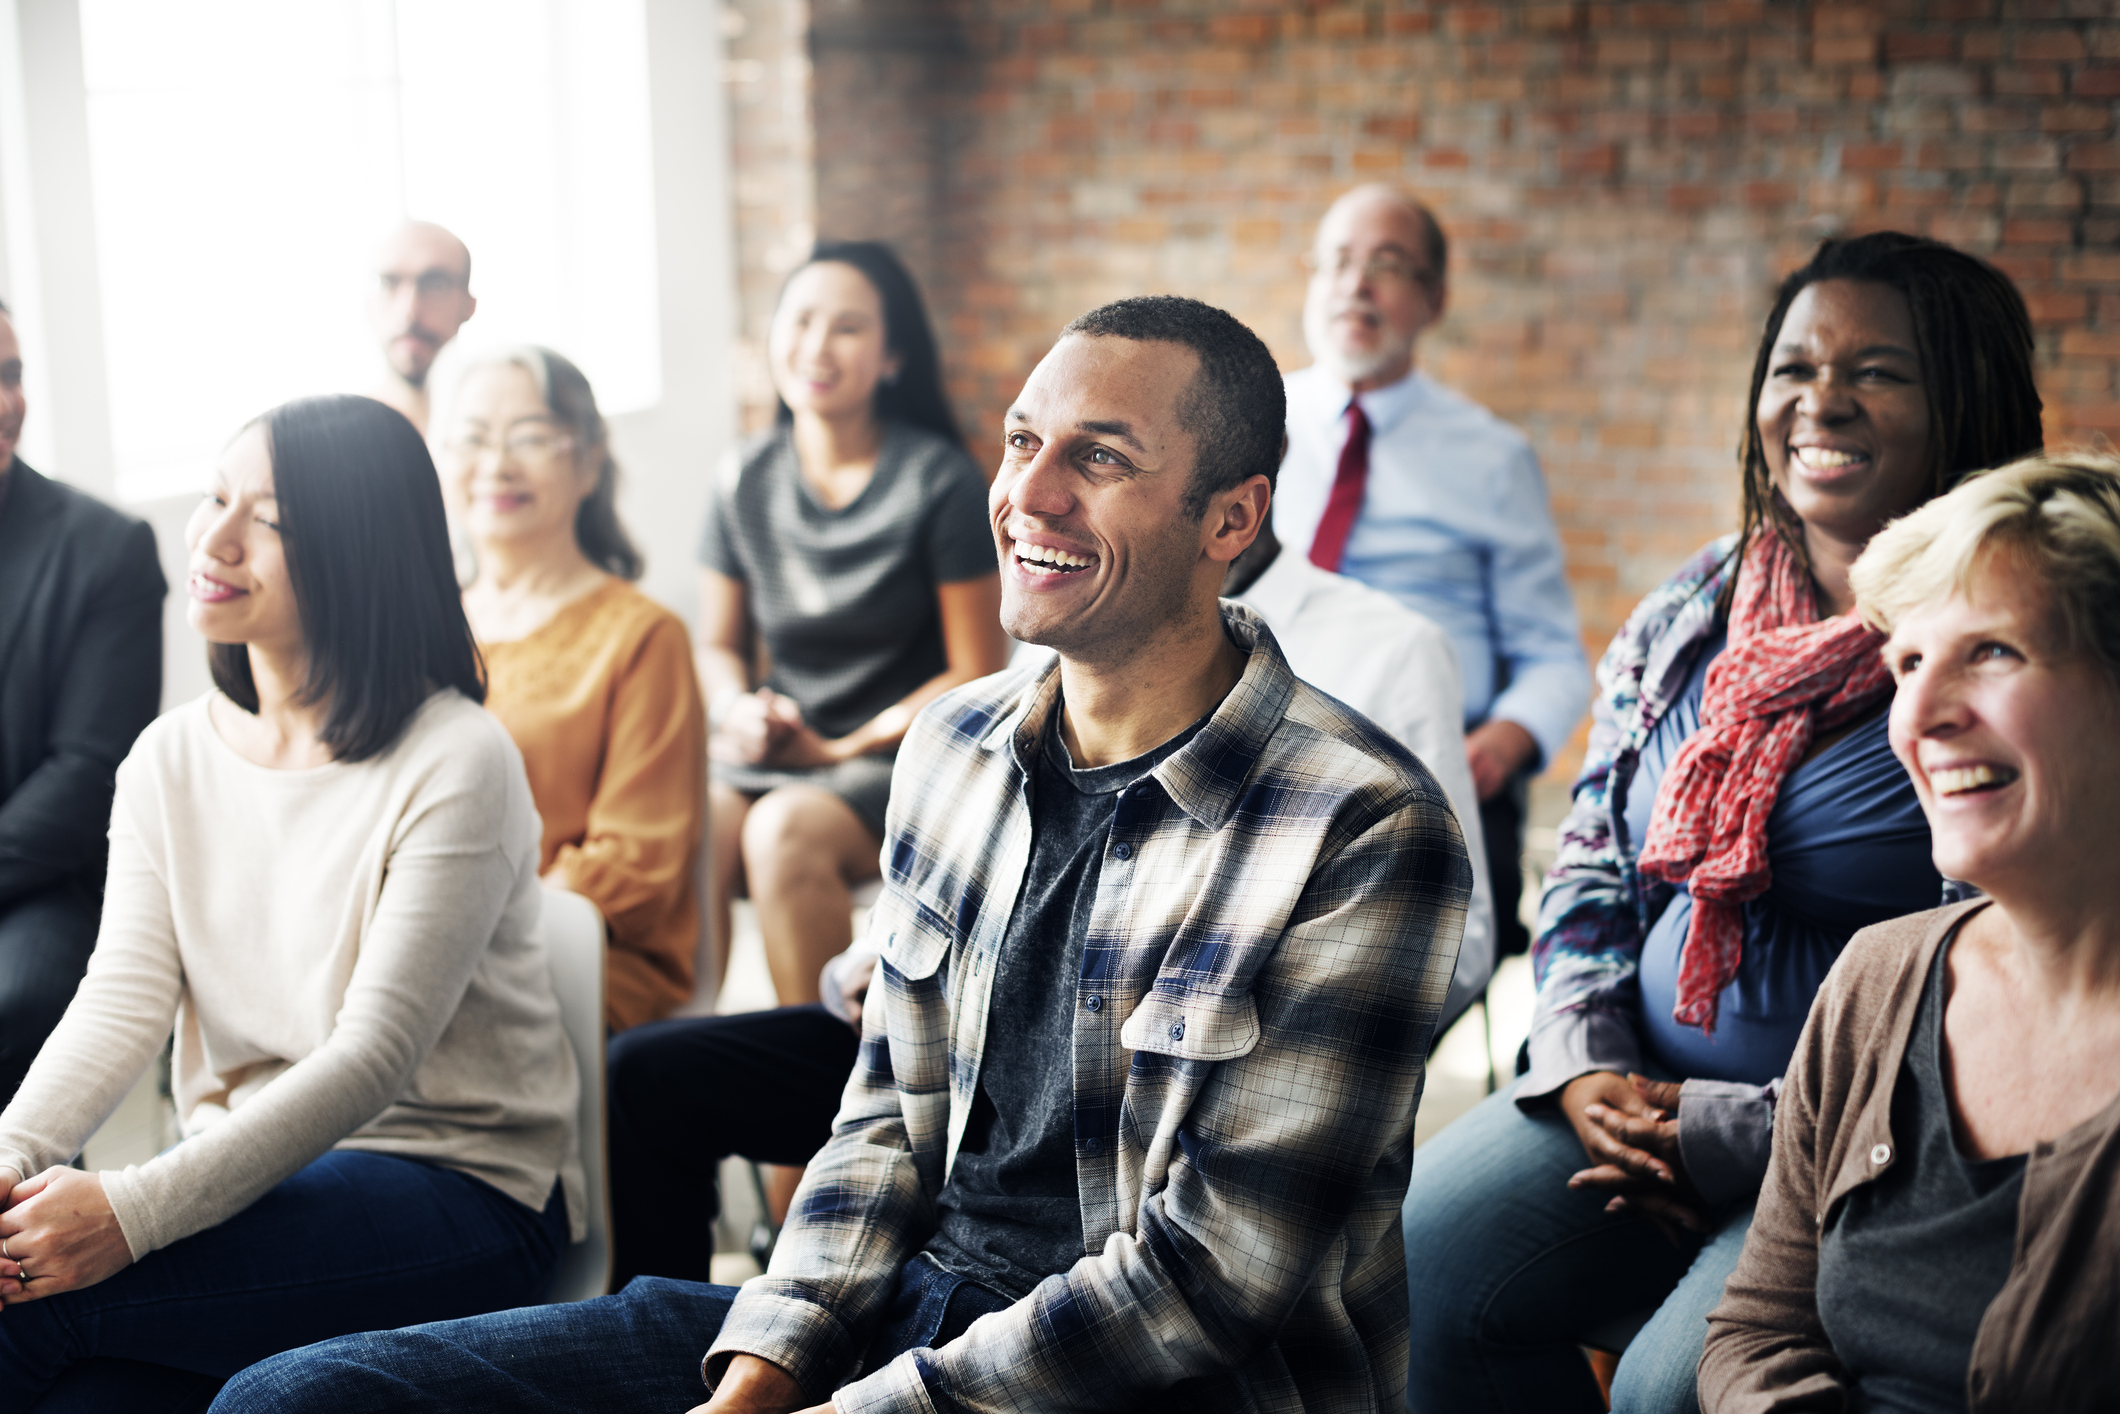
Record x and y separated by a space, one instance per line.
1629 1128
765 728
57 1233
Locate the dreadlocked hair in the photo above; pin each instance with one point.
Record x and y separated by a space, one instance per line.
1974 339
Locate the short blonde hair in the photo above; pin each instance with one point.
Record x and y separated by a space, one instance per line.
2053 518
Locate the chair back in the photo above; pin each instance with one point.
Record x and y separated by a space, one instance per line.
573 933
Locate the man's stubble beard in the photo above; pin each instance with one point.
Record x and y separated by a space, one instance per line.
1121 631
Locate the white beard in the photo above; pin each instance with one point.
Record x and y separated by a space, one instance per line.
1349 368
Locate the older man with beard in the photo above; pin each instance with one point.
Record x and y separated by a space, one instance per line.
1397 481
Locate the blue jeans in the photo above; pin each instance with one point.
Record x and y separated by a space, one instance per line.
1509 1271
352 1240
637 1350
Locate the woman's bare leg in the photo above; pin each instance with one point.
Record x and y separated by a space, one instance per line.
804 849
726 809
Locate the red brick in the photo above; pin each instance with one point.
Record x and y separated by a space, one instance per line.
2076 118
2027 157
2091 343
2043 43
2096 81
2025 230
2094 157
1465 20
1631 51
2028 81
1997 118
1872 156
1846 19
1935 81
1241 29
1844 49
2093 268
1905 47
2056 306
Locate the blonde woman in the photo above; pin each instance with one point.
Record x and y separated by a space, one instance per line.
1941 1218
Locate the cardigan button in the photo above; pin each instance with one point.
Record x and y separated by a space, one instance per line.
1882 1154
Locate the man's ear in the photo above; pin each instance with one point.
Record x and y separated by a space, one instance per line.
1234 517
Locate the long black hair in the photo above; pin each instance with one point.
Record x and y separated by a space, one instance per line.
368 557
572 404
1973 337
915 397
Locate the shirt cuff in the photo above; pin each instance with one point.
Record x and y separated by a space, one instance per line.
799 1336
897 1388
1575 1043
1725 1132
1549 715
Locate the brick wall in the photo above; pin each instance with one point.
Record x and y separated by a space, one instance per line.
1622 184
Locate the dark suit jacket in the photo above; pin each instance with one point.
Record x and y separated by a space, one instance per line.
80 675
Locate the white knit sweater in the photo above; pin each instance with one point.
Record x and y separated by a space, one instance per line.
348 955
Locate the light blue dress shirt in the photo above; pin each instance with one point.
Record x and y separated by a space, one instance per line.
1455 525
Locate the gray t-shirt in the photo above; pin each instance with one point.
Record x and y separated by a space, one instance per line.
845 599
1011 1214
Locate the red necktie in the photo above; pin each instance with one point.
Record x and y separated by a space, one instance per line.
1345 503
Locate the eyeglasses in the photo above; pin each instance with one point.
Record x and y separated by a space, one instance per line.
524 444
1386 267
428 284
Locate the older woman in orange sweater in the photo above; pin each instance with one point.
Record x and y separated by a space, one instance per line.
592 678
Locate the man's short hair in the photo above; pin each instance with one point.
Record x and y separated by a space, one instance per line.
1236 409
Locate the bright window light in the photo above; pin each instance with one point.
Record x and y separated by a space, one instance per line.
247 156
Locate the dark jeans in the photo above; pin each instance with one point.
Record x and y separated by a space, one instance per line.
687 1093
353 1240
1502 829
45 940
1509 1272
638 1350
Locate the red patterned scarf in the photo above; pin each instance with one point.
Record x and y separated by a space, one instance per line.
1784 677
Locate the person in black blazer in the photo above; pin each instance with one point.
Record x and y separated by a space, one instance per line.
80 675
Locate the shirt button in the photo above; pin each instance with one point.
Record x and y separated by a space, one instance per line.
1177 1030
1881 1154
1123 850
1093 1144
1095 1003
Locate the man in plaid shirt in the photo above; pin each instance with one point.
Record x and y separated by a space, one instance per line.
1164 937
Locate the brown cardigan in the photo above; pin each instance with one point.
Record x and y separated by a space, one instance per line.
2051 1339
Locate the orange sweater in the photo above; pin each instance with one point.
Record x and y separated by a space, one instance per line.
603 703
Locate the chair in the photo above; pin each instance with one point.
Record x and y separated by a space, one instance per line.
573 934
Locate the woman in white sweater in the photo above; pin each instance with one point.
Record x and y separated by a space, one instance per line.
323 876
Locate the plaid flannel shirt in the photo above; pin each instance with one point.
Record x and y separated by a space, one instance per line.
1597 910
1274 930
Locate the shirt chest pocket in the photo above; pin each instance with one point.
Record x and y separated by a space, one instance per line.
912 937
1193 1027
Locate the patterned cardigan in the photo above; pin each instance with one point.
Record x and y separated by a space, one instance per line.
1597 908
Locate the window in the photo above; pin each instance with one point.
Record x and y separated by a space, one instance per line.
246 156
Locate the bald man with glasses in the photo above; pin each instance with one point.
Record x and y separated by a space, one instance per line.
1399 482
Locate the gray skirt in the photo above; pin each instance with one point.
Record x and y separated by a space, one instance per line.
864 783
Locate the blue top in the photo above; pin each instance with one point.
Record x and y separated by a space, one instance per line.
1454 524
1849 847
